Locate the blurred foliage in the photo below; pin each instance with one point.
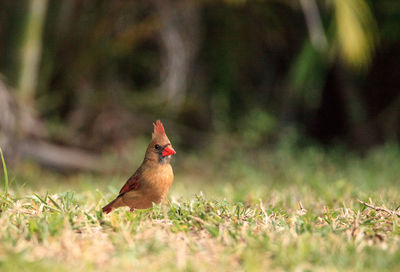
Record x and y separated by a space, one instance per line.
356 31
256 127
249 66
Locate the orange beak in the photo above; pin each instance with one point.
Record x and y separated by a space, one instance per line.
168 150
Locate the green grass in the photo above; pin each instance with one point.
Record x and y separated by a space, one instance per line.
278 211
4 171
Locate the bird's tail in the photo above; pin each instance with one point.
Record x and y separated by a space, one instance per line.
110 206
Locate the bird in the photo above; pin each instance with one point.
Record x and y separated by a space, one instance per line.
152 180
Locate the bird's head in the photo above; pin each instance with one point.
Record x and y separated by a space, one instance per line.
160 148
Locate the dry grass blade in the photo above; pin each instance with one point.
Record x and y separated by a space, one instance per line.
379 209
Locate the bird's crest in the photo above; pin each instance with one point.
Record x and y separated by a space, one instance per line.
158 129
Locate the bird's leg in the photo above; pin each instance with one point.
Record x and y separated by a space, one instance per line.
168 202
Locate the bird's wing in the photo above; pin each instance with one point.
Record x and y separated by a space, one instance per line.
131 185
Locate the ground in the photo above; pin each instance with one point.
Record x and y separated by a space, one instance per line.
284 211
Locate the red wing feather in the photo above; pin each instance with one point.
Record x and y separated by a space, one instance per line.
131 185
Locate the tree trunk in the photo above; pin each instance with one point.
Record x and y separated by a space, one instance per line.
31 50
179 35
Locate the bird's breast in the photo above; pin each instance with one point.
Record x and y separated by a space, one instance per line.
155 184
160 180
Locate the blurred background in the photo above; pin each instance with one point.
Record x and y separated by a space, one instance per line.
81 81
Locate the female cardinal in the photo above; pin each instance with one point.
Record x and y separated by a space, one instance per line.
152 180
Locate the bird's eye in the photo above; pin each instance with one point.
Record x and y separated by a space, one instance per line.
157 147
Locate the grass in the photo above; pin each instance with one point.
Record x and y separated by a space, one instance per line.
4 171
281 211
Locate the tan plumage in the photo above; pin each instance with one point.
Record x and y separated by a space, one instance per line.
152 180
